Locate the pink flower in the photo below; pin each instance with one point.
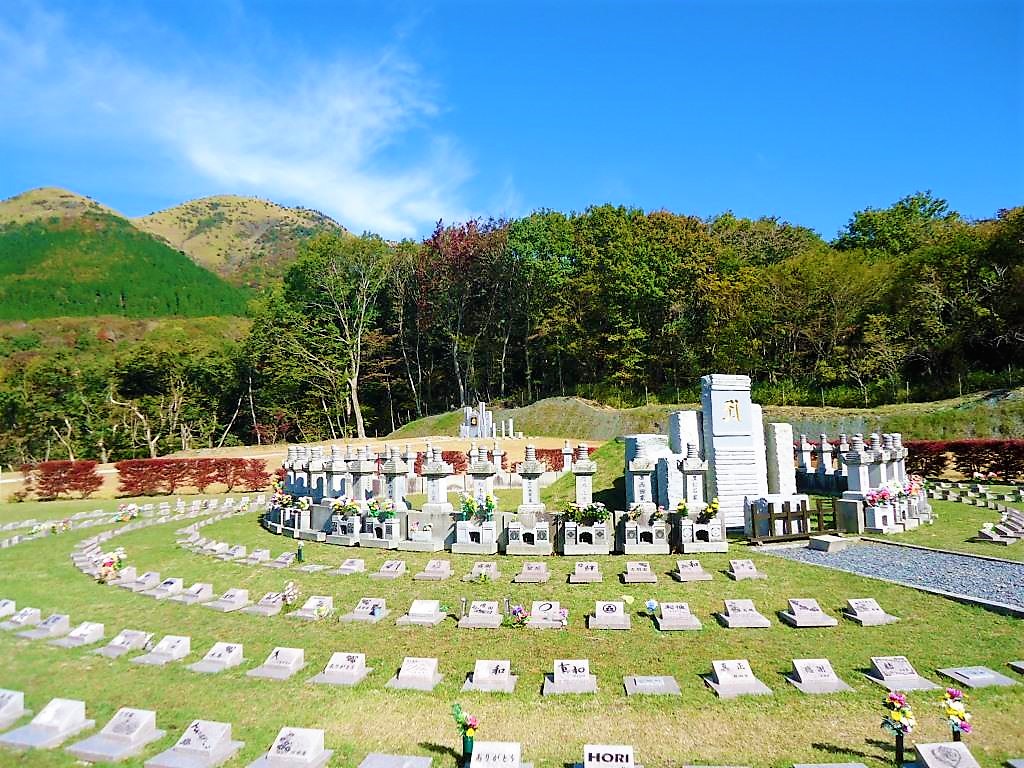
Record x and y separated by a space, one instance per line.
965 727
954 693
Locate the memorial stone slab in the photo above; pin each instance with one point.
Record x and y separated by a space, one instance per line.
382 760
491 676
651 685
220 657
127 734
976 677
391 569
350 566
165 589
570 676
197 594
86 633
740 570
315 608
127 575
230 601
343 669
734 677
204 744
949 754
676 616
804 613
126 641
742 614
482 614
416 674
295 748
54 625
281 561
545 614
896 673
281 664
487 754
435 570
609 614
12 708
312 568
424 613
532 573
237 552
269 605
690 570
147 580
867 612
371 609
26 617
639 572
816 676
57 722
170 648
486 570
256 557
586 572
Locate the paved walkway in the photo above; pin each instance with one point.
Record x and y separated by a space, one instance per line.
985 579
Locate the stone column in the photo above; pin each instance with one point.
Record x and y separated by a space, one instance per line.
363 471
804 451
566 457
877 475
317 474
530 471
641 468
694 469
779 449
436 473
858 461
584 469
498 456
825 456
482 472
395 478
844 448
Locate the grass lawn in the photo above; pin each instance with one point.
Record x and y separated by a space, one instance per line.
956 524
695 728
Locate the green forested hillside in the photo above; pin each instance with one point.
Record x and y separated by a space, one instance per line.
97 263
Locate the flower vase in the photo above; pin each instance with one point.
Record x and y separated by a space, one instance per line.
467 749
899 750
298 554
956 734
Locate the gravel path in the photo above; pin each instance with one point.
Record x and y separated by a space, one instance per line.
965 575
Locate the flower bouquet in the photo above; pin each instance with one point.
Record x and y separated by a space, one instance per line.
710 512
127 512
591 514
480 508
517 616
344 507
290 593
382 509
111 564
898 720
955 703
467 725
879 497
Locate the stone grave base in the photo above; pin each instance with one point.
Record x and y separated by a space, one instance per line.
387 575
917 683
644 685
533 623
910 523
992 678
312 568
318 761
703 576
505 686
829 765
829 543
672 625
696 547
312 536
36 737
267 672
364 617
470 621
72 642
210 667
175 759
531 578
414 685
597 622
431 621
1017 666
817 686
586 578
222 606
745 577
153 660
338 679
342 540
381 760
551 688
262 610
434 545
640 578
586 549
747 622
424 576
12 718
752 688
475 549
869 621
645 549
103 749
525 550
378 543
800 623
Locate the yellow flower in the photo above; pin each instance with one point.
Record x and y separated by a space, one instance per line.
897 716
471 732
627 599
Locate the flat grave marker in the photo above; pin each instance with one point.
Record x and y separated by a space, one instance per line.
417 674
12 708
805 612
281 561
166 588
639 572
281 664
170 648
237 552
740 570
676 616
487 754
57 722
220 657
351 566
949 754
204 744
570 676
690 570
199 592
382 760
316 608
54 625
256 557
742 614
491 676
25 617
484 570
371 609
976 677
1017 666
896 673
815 676
867 612
734 677
147 580
604 755
651 685
230 601
435 570
533 573
426 613
545 614
482 614
86 633
390 569
295 748
126 735
126 641
586 572
609 614
269 605
343 669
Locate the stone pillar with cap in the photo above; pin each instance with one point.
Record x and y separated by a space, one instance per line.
317 474
436 472
567 457
584 469
395 473
841 451
481 470
530 471
804 451
363 470
877 469
825 456
337 473
641 469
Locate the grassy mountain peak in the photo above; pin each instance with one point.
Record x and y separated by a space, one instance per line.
47 203
245 240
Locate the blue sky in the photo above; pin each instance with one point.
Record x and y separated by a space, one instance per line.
389 116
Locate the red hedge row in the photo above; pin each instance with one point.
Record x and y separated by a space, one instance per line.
1005 457
148 477
52 479
460 461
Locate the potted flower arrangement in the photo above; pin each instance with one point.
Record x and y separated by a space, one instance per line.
879 497
590 514
710 511
127 512
898 720
955 703
110 565
517 616
467 725
290 593
303 503
480 508
382 509
344 507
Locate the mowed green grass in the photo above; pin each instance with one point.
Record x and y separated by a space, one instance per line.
695 728
956 525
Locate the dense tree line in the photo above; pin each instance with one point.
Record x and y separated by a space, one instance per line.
616 304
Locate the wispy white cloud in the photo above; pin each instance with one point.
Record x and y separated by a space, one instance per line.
353 139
